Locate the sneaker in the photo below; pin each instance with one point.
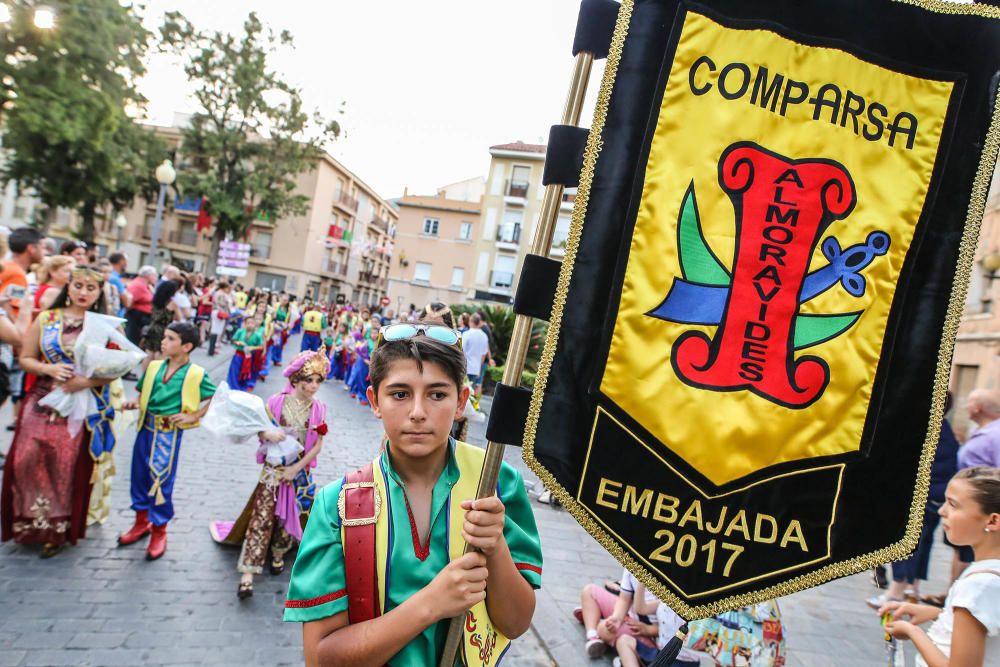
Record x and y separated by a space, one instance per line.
578 614
546 498
595 648
879 600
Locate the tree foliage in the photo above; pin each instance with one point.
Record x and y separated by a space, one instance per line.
64 97
246 146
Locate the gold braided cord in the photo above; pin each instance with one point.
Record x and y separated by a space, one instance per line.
945 7
953 318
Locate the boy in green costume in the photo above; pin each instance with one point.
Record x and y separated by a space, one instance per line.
423 483
173 396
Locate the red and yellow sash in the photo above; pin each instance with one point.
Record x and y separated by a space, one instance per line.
483 645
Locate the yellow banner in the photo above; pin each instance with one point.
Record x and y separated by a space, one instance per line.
781 191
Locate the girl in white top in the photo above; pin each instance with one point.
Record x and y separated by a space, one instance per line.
965 632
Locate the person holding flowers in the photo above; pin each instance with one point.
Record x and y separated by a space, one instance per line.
48 476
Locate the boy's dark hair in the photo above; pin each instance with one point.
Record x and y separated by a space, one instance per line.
22 237
115 257
187 332
422 349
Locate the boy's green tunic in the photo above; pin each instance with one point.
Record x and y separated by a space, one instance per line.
165 398
318 589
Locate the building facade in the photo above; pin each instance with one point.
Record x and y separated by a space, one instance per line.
435 250
510 210
976 362
339 250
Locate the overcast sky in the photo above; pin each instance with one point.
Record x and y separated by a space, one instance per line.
428 86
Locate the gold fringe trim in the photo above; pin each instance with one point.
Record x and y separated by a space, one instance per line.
955 306
944 7
158 492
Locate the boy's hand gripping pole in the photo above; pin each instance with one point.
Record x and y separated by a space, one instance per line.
541 244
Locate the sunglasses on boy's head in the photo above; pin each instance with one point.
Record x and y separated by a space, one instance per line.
395 332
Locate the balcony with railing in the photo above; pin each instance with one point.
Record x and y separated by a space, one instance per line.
515 192
372 279
335 268
501 280
381 224
509 236
568 199
186 236
346 202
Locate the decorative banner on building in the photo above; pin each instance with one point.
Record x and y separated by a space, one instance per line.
234 258
743 383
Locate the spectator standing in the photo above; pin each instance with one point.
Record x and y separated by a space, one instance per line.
119 264
185 306
25 249
222 305
112 298
77 250
171 272
983 446
138 314
164 313
53 274
476 347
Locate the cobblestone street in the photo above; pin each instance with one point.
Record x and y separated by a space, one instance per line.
97 604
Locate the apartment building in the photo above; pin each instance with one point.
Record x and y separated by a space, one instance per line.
509 214
339 250
435 249
976 362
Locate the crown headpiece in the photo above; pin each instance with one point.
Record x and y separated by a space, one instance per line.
309 363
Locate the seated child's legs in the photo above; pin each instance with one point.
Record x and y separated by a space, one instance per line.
626 647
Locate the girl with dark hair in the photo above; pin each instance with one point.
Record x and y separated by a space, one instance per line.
165 311
48 477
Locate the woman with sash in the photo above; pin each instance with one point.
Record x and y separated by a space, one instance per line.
276 513
49 472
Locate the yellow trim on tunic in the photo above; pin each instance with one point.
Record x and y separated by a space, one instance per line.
190 391
482 644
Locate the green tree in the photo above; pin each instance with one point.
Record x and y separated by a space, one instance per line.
63 99
252 137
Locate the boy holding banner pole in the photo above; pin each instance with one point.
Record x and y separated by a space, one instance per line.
381 562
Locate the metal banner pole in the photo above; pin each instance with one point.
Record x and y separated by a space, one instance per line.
516 354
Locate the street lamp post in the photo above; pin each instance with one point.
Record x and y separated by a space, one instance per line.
121 222
165 176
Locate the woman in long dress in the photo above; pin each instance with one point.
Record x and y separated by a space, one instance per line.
276 513
48 475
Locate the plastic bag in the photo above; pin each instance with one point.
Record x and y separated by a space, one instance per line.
281 453
73 406
234 416
91 355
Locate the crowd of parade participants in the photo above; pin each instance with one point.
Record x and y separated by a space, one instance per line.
421 373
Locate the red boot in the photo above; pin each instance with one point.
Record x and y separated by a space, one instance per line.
157 543
139 529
